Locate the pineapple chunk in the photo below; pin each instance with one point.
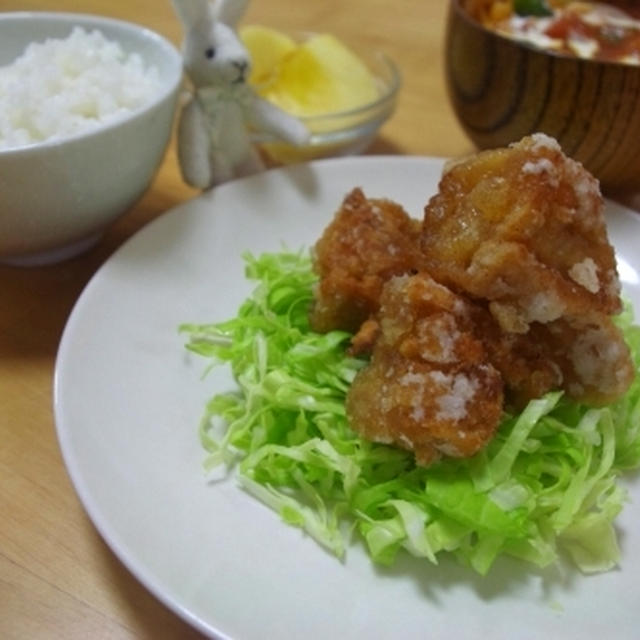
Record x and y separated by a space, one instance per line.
320 76
317 77
267 47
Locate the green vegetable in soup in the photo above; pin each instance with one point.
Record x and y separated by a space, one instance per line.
532 8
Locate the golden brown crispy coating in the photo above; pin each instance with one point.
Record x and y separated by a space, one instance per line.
368 241
592 355
526 366
428 387
507 290
522 231
586 356
523 228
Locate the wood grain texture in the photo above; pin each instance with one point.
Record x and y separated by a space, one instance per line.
57 577
502 90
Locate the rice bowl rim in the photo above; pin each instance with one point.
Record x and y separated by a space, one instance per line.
166 88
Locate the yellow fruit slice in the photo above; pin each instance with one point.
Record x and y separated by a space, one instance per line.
321 76
267 47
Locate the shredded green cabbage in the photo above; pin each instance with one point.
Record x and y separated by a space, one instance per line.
545 486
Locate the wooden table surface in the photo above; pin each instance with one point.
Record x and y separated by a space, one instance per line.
58 579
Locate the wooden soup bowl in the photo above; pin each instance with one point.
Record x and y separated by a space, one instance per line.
502 90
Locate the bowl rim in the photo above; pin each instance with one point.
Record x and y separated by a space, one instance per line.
89 20
456 6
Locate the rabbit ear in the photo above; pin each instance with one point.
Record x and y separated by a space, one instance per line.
193 12
230 11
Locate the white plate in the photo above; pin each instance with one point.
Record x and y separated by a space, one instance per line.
128 399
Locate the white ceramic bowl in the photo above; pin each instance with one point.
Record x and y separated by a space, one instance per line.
58 197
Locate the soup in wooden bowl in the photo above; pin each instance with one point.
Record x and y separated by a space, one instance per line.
568 69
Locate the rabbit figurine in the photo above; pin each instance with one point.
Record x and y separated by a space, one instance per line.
214 127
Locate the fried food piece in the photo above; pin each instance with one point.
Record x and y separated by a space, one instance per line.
429 387
506 291
368 242
585 356
522 228
521 231
528 370
592 355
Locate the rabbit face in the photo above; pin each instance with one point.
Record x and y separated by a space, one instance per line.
213 54
216 57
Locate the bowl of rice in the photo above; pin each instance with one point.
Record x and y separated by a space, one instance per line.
86 111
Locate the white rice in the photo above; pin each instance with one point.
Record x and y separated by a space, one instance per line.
63 87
